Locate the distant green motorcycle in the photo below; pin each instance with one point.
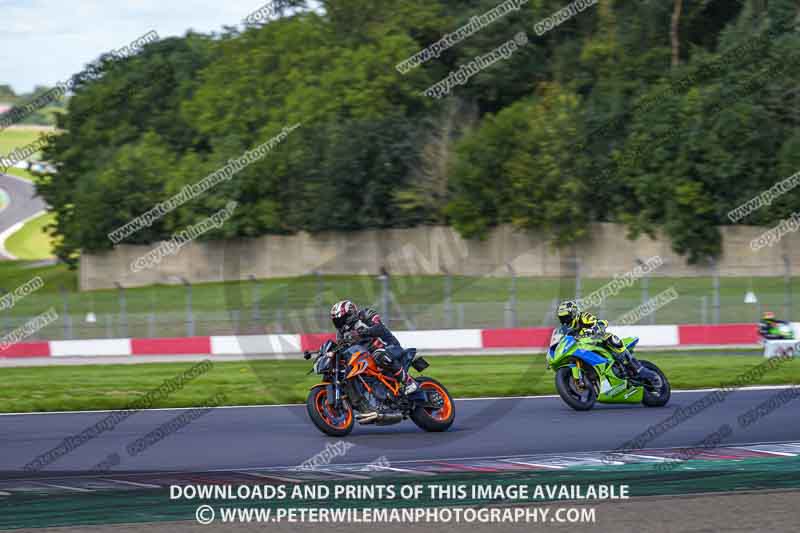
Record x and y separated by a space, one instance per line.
586 373
778 331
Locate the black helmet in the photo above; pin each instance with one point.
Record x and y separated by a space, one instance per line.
344 313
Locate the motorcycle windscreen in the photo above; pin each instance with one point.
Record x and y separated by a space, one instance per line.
326 346
556 337
630 342
563 346
322 364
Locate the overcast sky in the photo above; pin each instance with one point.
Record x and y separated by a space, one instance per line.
47 41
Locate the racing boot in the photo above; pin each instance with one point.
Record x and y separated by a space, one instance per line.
640 372
628 361
410 384
384 360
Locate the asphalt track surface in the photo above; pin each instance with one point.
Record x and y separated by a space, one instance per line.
282 436
23 202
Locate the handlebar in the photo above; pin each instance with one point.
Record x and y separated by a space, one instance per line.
338 345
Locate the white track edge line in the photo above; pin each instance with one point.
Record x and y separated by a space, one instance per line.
541 396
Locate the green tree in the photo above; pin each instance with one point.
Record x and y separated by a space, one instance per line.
519 167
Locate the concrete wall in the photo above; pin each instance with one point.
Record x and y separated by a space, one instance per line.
428 250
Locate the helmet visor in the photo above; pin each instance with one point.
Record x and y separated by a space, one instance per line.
565 320
339 321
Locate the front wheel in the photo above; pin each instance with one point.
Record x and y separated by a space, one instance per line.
333 422
656 394
439 411
580 397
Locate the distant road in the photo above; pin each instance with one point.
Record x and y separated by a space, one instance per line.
23 204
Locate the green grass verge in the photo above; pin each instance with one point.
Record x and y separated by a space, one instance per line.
17 137
478 302
31 241
61 388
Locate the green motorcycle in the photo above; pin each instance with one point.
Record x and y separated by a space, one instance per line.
778 331
586 373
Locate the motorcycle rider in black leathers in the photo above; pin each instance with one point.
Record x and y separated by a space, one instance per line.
354 324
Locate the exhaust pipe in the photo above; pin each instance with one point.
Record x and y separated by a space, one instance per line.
379 419
389 419
367 418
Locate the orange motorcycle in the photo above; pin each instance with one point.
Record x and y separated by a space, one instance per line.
355 389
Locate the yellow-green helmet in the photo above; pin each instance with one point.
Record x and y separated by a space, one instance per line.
568 313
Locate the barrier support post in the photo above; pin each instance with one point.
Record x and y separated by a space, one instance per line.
787 292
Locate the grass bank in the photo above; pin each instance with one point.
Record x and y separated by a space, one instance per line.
31 242
277 304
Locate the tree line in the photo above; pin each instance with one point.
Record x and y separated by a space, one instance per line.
662 115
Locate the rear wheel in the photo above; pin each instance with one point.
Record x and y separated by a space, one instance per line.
580 397
333 422
439 412
656 394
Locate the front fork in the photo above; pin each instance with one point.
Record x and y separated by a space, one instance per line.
334 396
577 373
580 375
